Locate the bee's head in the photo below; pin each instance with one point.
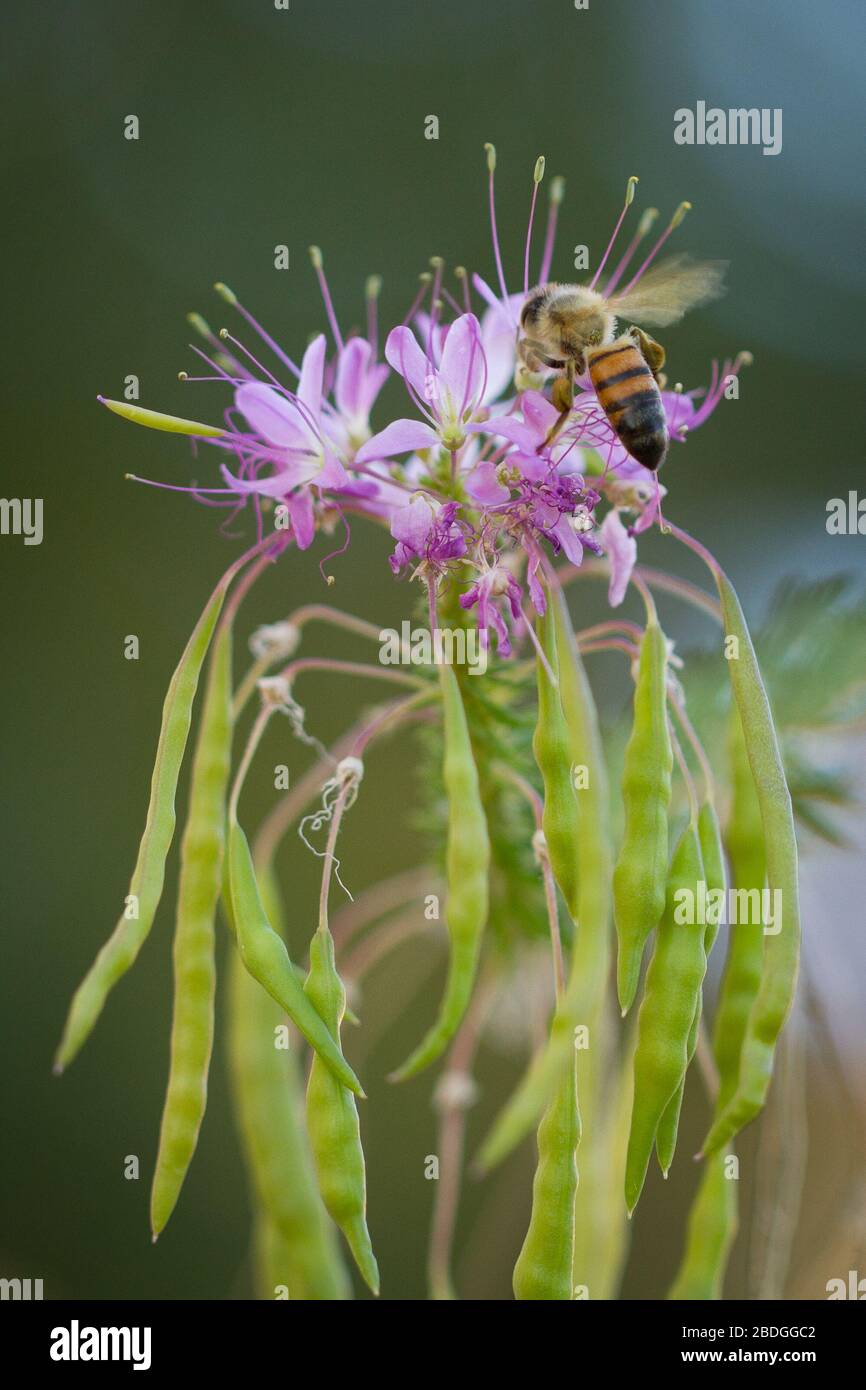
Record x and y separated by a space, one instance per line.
530 313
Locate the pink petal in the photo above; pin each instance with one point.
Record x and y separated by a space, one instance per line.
351 370
405 356
538 413
332 475
571 546
300 506
411 523
271 416
510 428
399 437
621 551
483 485
277 484
312 374
463 369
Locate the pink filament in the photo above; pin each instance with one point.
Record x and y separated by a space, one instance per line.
329 307
529 237
549 241
602 263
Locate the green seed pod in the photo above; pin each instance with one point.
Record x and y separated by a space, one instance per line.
742 977
712 855
552 748
194 964
585 988
298 1246
148 876
673 986
641 869
713 1219
544 1265
781 950
265 956
712 1227
332 1118
468 862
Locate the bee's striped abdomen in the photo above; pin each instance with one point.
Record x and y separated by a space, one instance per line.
631 400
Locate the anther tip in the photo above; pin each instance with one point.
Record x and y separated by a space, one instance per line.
316 257
491 155
437 262
460 272
557 188
538 173
183 376
633 180
647 219
223 334
680 213
57 1069
225 293
373 286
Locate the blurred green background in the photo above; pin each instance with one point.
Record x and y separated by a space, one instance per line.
260 127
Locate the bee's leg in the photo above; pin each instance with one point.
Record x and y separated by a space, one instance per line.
562 395
533 356
652 352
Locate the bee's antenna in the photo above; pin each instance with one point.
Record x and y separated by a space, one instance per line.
537 176
672 225
646 222
557 189
629 195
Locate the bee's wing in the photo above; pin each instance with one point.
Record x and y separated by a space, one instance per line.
664 294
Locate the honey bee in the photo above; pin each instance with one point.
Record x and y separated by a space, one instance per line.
573 329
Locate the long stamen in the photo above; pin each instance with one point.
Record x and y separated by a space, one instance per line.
228 338
174 487
316 258
426 280
231 298
629 196
491 165
674 223
557 191
435 302
203 328
537 176
371 294
461 275
646 222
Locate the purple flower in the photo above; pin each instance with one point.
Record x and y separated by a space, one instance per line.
290 429
448 394
426 532
495 584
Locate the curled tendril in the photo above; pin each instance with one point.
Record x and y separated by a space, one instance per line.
345 782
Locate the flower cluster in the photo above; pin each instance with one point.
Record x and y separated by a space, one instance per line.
486 480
